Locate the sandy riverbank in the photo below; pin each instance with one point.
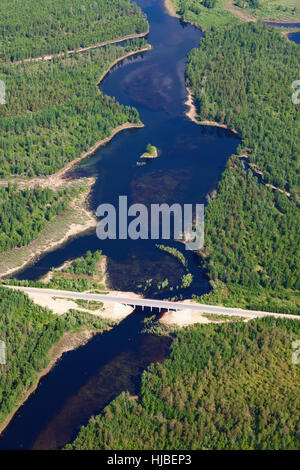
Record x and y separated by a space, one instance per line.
218 124
192 114
187 317
128 125
153 154
148 47
184 318
109 311
170 8
59 230
286 34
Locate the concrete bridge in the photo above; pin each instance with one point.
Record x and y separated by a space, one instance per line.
154 304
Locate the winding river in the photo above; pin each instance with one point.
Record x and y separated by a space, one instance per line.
191 161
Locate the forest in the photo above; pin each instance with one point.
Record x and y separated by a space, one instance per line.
29 331
224 386
24 213
55 111
31 28
242 76
80 274
87 265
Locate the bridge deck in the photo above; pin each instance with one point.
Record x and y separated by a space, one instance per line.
152 303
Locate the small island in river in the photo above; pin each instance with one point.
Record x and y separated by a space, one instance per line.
151 152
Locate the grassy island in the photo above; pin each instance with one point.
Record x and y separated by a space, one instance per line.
151 152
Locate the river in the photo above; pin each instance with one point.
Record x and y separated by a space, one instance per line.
191 161
295 36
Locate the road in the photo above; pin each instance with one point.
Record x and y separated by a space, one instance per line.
152 303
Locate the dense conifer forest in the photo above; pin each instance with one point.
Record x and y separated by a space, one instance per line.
228 386
24 213
31 28
55 112
242 77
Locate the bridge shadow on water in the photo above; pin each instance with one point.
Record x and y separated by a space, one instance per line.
89 378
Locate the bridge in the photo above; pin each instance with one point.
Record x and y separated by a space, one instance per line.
154 304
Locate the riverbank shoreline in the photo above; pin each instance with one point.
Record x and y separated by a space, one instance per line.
186 318
128 125
58 179
46 241
170 9
71 341
151 155
148 47
68 342
286 33
192 114
61 305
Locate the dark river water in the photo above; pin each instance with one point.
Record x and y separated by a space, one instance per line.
190 164
295 37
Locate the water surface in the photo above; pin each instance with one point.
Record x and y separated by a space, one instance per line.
295 37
